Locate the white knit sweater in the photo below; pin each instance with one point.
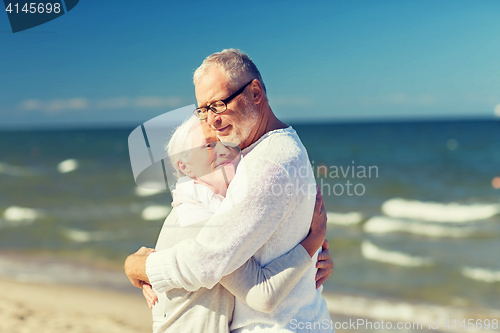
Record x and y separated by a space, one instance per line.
273 215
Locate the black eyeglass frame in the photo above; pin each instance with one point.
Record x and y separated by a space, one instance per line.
200 111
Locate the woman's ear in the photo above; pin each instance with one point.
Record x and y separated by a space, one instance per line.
184 168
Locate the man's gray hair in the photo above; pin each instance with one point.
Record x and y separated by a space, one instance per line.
237 66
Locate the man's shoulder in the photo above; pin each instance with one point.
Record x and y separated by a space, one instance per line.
282 146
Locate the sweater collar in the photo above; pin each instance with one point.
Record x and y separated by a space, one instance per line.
288 130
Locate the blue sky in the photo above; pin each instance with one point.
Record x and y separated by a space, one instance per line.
124 62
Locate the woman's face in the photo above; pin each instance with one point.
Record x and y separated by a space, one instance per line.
211 163
210 157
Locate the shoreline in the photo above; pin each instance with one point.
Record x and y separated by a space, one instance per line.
58 308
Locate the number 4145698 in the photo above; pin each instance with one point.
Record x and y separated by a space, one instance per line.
471 324
34 7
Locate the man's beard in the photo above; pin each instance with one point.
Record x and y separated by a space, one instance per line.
241 134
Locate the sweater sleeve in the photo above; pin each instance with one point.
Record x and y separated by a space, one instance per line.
263 288
230 238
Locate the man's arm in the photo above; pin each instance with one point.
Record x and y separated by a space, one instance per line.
228 239
263 288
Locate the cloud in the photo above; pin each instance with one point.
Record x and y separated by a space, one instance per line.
401 99
497 110
482 99
283 100
55 105
157 102
80 103
113 103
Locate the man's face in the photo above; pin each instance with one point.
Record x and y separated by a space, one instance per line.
241 116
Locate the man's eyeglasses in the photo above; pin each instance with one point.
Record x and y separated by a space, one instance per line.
219 106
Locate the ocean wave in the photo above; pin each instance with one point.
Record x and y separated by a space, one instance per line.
95 211
82 236
155 212
344 218
145 192
51 270
372 252
383 224
438 212
481 274
15 216
68 165
16 171
410 314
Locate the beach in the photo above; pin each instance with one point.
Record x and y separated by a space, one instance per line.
415 240
29 307
26 307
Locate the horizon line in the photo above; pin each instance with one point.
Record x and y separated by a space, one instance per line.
67 126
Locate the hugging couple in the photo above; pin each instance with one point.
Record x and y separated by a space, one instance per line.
243 249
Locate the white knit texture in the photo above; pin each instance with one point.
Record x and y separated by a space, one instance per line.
274 216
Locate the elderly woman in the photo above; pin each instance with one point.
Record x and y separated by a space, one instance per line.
204 169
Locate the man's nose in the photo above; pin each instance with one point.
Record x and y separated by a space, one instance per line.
212 117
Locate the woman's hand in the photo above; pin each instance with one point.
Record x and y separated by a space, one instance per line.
324 265
317 232
149 294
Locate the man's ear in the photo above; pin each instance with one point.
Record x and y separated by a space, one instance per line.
184 168
257 93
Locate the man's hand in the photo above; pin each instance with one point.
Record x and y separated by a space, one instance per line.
135 267
149 294
324 265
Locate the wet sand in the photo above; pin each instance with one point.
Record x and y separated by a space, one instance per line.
57 309
41 308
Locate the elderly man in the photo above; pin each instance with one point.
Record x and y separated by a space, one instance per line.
274 211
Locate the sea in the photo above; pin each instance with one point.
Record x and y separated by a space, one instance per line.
413 215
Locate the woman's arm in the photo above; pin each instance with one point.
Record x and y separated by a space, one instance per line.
263 288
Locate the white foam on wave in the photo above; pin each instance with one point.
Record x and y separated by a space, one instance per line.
82 236
351 218
51 270
155 212
145 192
16 216
372 252
15 171
438 212
383 224
67 166
415 316
481 274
